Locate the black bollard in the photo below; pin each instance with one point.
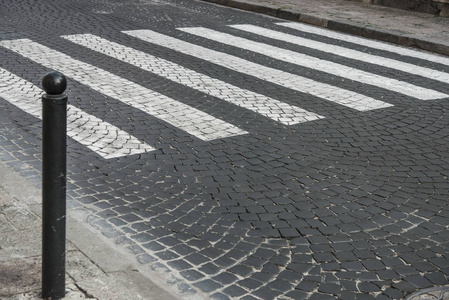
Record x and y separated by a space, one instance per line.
54 160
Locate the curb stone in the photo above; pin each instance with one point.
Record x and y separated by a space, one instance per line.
344 26
94 270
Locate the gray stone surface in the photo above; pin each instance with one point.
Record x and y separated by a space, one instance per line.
351 206
403 27
94 270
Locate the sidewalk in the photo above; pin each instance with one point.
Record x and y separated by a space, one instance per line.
94 270
407 28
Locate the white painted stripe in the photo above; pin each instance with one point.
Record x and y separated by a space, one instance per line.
367 42
349 53
90 131
331 93
317 64
258 103
178 114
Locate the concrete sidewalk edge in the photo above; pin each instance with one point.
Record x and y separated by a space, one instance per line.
338 25
96 268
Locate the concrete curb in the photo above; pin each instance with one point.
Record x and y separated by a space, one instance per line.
95 270
339 25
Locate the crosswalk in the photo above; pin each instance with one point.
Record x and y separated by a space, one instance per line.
408 89
102 137
195 122
366 42
326 66
109 141
271 108
302 84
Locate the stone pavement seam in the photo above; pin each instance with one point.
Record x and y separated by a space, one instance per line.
344 26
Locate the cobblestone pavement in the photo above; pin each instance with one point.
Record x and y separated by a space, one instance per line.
255 165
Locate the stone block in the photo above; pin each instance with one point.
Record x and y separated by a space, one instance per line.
309 19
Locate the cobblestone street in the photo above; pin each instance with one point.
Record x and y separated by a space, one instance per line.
239 155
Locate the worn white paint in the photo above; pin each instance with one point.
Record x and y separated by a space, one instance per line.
367 42
178 114
320 64
102 137
328 92
271 108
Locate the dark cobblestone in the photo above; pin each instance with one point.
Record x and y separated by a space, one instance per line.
300 211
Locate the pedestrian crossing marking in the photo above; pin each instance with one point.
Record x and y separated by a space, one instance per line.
271 108
178 114
367 42
102 137
328 92
319 64
110 141
348 53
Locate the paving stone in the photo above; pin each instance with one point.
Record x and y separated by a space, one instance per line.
210 269
394 293
225 278
241 270
347 275
307 286
321 296
348 285
224 262
191 275
387 274
166 255
234 291
299 268
220 296
196 258
364 254
436 278
328 189
280 285
404 286
248 297
418 281
323 257
353 266
345 256
440 262
179 264
405 270
207 285
330 288
373 264
367 287
250 283
265 292
365 297
392 261
296 294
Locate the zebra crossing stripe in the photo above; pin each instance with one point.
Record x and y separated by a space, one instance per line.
367 42
328 92
348 53
318 64
103 138
258 103
178 114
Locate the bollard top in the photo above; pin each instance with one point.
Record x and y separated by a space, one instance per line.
54 83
